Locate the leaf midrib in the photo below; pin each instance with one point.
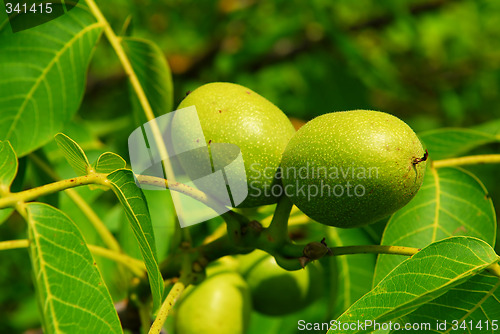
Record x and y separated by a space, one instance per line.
43 272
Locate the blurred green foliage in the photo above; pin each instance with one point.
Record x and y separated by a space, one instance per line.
432 63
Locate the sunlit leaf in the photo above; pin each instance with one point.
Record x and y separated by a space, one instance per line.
419 280
8 171
452 142
134 203
109 162
70 289
43 77
73 154
8 164
451 202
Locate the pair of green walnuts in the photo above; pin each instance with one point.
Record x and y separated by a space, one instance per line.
343 169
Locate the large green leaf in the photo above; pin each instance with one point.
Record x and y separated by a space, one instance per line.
132 199
153 72
472 304
70 289
419 280
73 154
452 142
355 272
43 77
8 171
450 202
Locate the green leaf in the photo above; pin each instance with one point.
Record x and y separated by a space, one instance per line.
132 199
109 162
355 272
164 220
376 230
477 300
491 127
43 77
8 164
8 171
5 213
452 142
73 154
420 279
451 202
153 72
70 289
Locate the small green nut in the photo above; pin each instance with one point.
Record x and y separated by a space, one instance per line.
278 292
233 114
219 305
352 168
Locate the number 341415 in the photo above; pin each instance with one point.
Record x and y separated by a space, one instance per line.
28 8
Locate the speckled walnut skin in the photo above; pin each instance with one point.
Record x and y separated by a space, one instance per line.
230 113
366 141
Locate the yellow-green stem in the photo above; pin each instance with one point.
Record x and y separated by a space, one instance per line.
106 236
181 188
8 199
278 229
468 160
376 249
13 199
136 266
167 305
14 244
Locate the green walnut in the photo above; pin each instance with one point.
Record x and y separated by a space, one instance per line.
233 114
276 291
351 168
219 305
